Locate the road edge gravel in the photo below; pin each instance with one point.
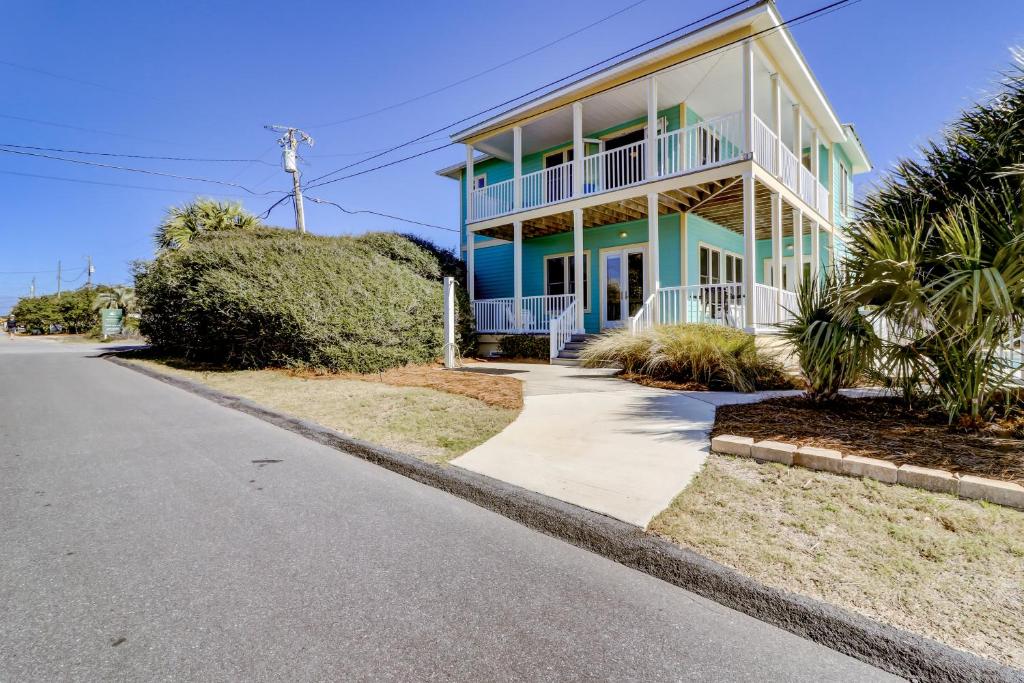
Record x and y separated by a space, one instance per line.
899 652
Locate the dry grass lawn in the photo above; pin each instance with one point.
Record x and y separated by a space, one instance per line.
943 567
426 422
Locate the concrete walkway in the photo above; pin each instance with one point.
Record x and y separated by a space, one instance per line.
599 442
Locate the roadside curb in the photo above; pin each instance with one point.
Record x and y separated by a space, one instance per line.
899 652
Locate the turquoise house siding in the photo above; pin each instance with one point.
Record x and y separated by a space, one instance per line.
493 269
700 230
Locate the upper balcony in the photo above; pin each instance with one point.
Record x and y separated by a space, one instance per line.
695 147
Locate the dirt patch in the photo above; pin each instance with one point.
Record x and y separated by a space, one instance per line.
417 417
876 428
494 390
929 563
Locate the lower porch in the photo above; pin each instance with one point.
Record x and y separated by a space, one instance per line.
729 257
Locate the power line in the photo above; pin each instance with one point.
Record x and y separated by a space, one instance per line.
120 185
353 212
80 81
484 72
807 16
139 170
535 90
83 129
136 156
369 151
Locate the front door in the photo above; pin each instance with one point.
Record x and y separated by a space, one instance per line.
623 284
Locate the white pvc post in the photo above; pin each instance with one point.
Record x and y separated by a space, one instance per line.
449 322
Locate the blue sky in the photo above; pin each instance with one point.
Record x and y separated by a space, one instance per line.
200 79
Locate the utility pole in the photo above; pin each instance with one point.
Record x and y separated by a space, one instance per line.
58 279
88 271
290 139
33 288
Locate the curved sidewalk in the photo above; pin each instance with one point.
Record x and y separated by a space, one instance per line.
599 442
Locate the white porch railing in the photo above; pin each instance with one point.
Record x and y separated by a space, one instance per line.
822 200
720 304
700 145
790 168
561 327
493 200
498 316
644 318
773 306
547 186
764 145
614 168
808 187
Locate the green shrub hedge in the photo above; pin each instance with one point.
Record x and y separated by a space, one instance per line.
272 297
712 355
525 346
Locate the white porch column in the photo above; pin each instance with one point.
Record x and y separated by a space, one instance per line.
578 265
777 251
798 144
517 168
651 166
517 272
577 149
749 249
748 96
831 189
815 252
653 250
469 184
798 248
470 266
777 121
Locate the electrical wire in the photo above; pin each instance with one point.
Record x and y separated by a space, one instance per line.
121 185
352 212
83 129
140 170
807 16
136 156
536 90
491 69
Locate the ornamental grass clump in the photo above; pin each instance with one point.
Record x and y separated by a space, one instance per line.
713 356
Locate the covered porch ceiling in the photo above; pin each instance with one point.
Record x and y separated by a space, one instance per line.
719 201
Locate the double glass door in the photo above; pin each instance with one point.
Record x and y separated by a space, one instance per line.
624 284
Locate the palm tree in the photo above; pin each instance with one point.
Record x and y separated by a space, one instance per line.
119 297
938 252
182 224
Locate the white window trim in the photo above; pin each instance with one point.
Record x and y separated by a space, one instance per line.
722 253
479 176
603 274
587 283
844 190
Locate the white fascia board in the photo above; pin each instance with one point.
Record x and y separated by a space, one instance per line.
455 170
683 42
787 39
854 149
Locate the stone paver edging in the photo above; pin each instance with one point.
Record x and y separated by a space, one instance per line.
823 459
902 653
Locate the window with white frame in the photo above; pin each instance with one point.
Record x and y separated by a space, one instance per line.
716 264
479 181
560 276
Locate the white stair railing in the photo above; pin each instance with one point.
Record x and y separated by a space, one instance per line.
644 318
560 329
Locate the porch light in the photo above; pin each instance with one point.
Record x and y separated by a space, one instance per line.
623 234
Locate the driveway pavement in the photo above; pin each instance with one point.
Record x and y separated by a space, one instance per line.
149 534
599 442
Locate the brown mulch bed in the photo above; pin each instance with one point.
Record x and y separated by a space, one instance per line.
649 381
876 428
494 390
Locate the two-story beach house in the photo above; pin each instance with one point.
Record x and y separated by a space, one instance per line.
697 181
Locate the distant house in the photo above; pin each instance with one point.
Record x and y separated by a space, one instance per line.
668 187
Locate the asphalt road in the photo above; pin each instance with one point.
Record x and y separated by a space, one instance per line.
148 534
